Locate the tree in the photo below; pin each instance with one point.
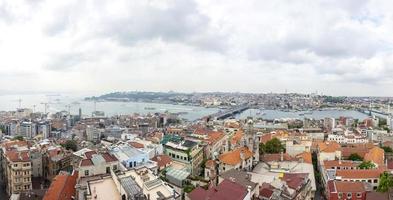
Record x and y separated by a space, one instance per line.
18 137
367 165
385 182
355 157
272 146
387 149
70 144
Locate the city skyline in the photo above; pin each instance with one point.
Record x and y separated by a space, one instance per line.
337 48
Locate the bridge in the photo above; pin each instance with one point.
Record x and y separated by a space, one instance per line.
227 113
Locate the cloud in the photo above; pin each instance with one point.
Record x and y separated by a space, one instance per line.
199 45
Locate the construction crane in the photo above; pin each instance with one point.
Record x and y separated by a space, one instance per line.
69 108
19 103
46 105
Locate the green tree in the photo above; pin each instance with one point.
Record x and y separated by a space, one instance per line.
272 146
385 182
18 137
70 144
387 149
355 157
367 165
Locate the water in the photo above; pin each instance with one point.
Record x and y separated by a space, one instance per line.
317 114
58 103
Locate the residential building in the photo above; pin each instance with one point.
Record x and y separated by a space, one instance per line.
62 187
187 152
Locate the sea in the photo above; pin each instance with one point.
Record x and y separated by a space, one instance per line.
72 103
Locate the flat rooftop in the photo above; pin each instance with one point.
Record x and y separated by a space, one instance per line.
104 189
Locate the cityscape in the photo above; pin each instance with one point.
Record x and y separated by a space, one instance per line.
196 100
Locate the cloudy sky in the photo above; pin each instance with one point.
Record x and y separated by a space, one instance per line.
338 47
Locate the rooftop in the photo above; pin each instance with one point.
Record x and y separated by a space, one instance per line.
226 190
234 157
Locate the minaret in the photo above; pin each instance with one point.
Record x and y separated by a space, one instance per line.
252 143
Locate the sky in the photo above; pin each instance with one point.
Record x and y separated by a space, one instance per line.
335 47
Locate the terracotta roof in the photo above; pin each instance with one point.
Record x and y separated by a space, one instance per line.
306 156
237 137
295 180
336 163
329 147
226 190
215 136
347 151
266 137
266 192
62 187
276 157
233 157
360 173
162 160
90 154
347 186
109 158
375 155
16 143
86 162
17 156
137 145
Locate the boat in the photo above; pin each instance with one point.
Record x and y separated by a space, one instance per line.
150 108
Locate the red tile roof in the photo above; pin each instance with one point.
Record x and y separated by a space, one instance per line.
266 192
137 145
234 157
295 180
86 162
90 154
109 158
226 190
62 187
347 186
359 174
276 157
375 155
162 160
16 156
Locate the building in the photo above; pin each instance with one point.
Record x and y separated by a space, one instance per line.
62 187
18 171
93 134
346 190
187 152
129 156
241 158
97 164
295 147
16 167
228 190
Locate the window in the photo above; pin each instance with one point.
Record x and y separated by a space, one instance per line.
108 170
349 195
375 180
114 167
358 195
86 172
340 195
15 165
